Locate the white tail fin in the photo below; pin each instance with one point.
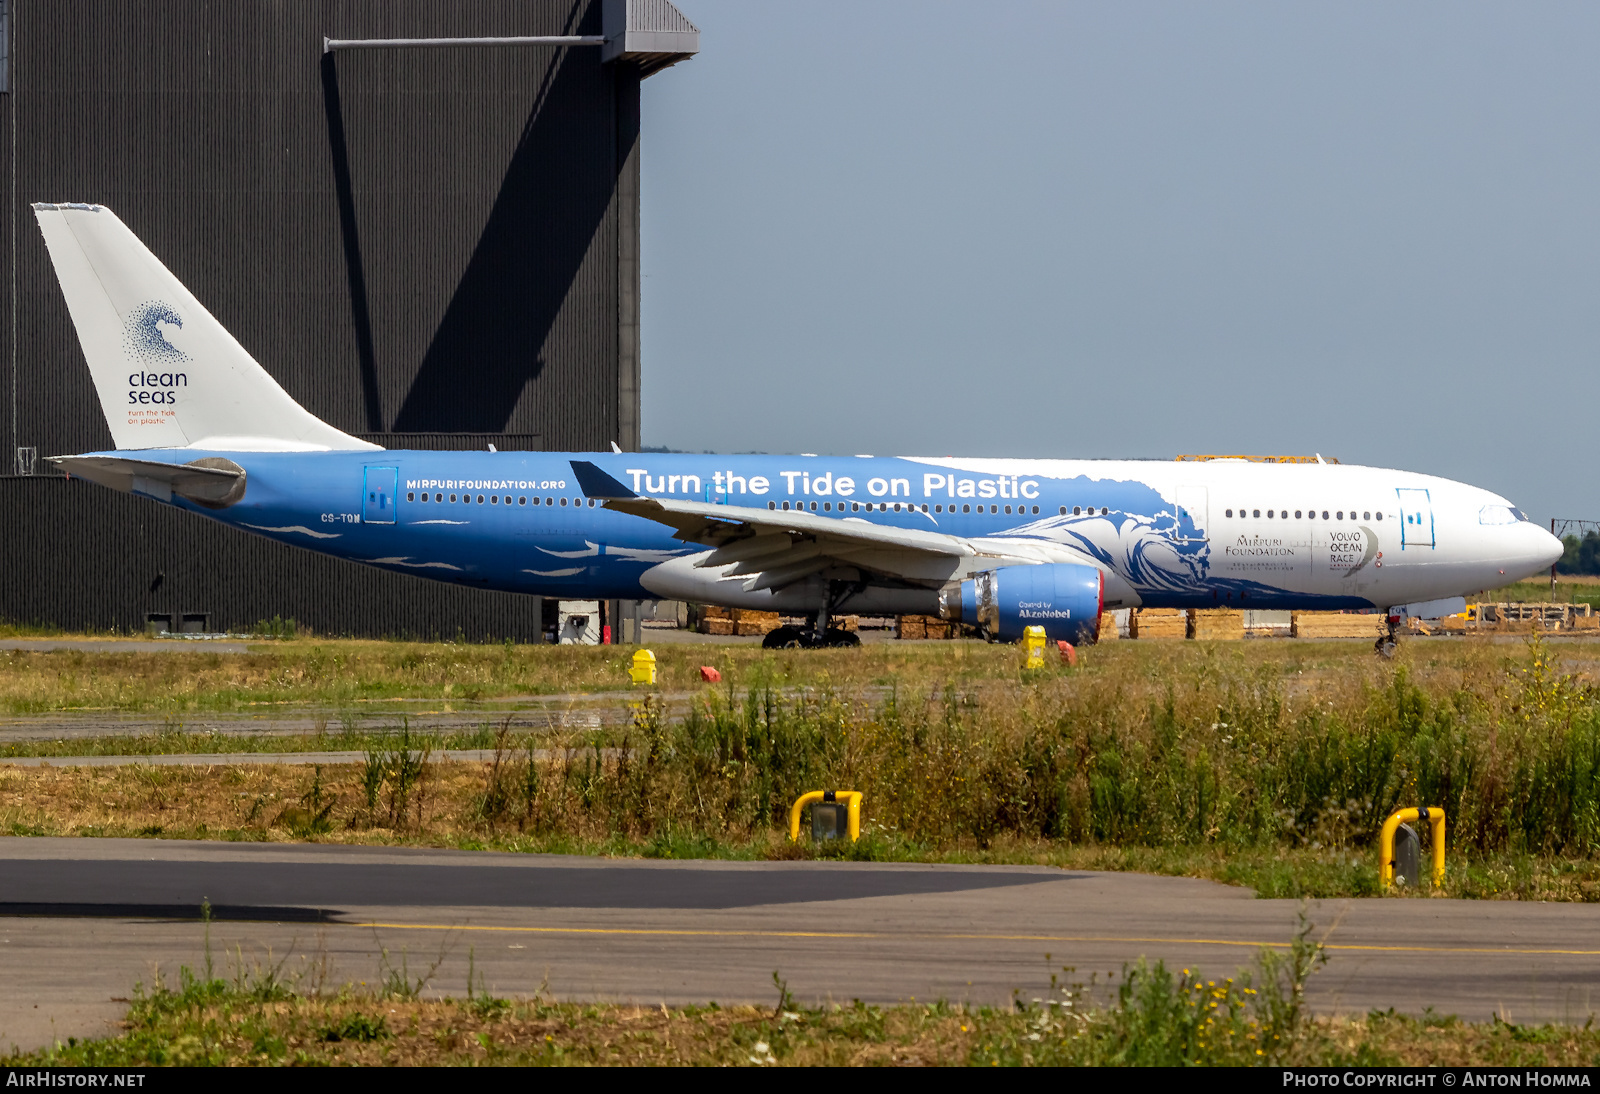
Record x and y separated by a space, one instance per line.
169 375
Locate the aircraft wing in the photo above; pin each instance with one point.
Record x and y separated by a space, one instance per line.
211 481
782 547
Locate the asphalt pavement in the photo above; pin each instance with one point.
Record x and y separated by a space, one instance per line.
83 920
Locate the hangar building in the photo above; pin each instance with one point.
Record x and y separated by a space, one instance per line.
429 243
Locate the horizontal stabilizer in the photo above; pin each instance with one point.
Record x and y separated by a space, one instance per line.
212 482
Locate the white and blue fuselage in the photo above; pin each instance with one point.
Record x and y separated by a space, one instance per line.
1219 533
1003 544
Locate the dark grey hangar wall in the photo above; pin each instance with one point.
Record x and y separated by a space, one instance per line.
433 246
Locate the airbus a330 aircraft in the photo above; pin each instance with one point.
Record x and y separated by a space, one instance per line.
1001 543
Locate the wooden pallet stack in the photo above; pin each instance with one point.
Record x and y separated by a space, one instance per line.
1221 624
915 627
1525 618
736 621
1147 623
1336 625
1108 627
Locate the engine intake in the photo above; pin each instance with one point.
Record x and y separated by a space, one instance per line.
1065 598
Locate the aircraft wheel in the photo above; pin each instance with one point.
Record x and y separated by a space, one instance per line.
836 637
785 638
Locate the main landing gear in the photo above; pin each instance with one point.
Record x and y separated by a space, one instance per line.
806 638
818 635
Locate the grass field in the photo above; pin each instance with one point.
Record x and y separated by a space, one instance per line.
1266 763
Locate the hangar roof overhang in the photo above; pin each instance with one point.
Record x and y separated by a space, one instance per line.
653 34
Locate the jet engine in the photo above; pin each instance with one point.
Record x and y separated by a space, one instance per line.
1064 598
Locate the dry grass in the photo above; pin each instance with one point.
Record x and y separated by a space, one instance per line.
263 1023
1264 763
351 674
335 674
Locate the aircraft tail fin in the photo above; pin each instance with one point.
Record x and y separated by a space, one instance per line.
168 374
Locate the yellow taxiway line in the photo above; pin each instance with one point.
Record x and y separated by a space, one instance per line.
658 932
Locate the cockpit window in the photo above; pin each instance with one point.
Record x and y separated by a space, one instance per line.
1500 514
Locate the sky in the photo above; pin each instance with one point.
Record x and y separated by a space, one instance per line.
1365 230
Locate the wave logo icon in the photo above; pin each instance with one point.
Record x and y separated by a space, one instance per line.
144 335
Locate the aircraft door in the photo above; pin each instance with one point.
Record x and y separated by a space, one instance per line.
1193 515
1416 518
377 501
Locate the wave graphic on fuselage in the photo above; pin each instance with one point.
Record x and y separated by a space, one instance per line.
623 554
300 529
1155 554
405 560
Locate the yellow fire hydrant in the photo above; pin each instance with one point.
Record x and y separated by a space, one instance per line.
1033 642
643 668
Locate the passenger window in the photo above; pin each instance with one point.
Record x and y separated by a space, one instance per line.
549 501
994 508
1036 510
523 500
1228 512
772 505
1339 515
452 499
1269 514
1324 514
1104 512
494 499
966 508
1297 514
855 507
1008 509
1255 512
563 501
1379 516
1063 511
1077 510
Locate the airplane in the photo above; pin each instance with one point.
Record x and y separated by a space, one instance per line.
1000 544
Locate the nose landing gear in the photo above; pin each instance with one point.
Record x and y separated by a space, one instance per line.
1389 641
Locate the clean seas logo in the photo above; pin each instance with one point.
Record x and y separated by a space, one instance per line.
144 340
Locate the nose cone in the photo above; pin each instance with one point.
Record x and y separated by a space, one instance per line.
1548 547
1531 550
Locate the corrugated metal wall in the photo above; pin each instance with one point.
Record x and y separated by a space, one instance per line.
81 556
419 243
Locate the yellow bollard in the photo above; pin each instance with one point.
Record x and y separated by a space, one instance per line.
643 668
1432 814
1033 642
851 798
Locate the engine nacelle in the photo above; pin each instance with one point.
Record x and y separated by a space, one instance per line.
1065 598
